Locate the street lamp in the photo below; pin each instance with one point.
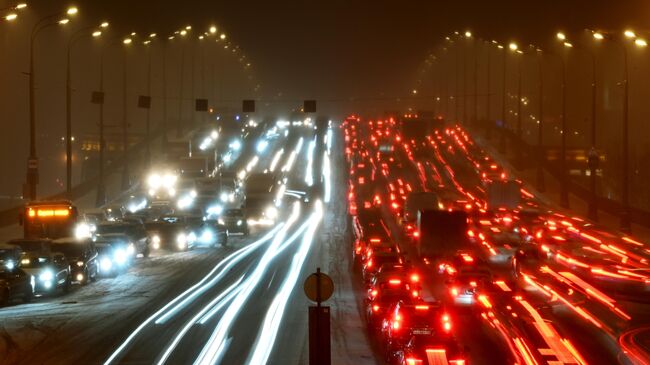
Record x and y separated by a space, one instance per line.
630 35
32 161
68 92
564 188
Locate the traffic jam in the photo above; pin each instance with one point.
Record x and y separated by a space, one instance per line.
460 263
214 186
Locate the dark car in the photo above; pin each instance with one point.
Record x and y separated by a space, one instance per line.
15 283
427 321
174 232
381 299
211 233
135 230
112 257
50 270
235 221
82 257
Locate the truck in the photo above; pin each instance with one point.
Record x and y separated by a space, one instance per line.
260 190
417 201
417 125
503 194
193 167
49 219
440 233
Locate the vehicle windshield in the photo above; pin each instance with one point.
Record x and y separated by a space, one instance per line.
112 228
69 249
232 213
34 262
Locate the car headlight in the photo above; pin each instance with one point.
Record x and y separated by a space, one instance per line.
156 242
181 240
80 263
207 236
105 264
130 249
46 275
191 237
239 222
120 256
221 221
82 230
10 264
271 212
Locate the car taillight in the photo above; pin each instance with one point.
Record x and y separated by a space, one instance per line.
415 293
457 362
415 278
413 361
416 234
394 281
396 325
446 323
375 308
454 292
374 293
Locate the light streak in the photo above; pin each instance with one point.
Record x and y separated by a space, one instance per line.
268 333
214 348
235 256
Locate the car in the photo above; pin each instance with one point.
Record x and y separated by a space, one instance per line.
82 257
134 230
15 283
175 232
430 351
427 322
381 298
211 233
50 270
392 270
376 259
112 257
235 221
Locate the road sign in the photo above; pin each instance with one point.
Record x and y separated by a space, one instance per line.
97 97
248 106
318 286
201 105
144 101
309 106
320 347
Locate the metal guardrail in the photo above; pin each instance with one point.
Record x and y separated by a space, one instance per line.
10 216
610 206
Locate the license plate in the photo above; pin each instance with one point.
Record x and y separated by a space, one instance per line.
421 332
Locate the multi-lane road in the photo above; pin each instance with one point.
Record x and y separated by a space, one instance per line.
581 298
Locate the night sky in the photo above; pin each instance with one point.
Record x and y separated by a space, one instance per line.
332 51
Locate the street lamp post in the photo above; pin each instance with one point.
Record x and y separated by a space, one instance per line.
564 181
488 88
68 98
126 180
541 186
32 161
519 159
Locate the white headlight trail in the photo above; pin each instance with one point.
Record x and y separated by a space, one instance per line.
213 349
309 175
229 262
239 254
327 176
269 331
276 159
179 336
